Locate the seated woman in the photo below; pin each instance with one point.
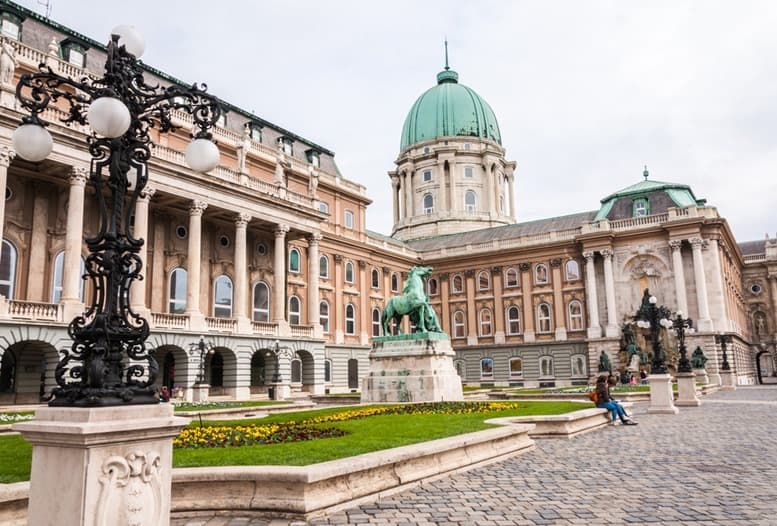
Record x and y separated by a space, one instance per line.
605 400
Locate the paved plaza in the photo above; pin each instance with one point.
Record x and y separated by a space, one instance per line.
715 464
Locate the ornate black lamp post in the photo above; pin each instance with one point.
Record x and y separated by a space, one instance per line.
201 349
108 363
653 317
680 324
723 340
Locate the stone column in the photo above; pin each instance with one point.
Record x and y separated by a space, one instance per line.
499 310
529 313
679 275
594 329
395 196
773 289
337 323
560 308
705 324
364 315
452 177
37 288
611 330
241 293
74 235
443 193
158 282
194 254
511 185
6 156
716 295
140 231
489 185
279 278
409 204
472 315
313 279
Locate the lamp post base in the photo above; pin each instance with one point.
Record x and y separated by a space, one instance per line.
200 392
661 396
727 381
686 390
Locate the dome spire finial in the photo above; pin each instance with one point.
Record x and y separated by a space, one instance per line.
447 75
645 174
446 54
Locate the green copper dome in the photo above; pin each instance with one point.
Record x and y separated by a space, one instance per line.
449 109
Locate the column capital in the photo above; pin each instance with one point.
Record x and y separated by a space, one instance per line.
78 175
496 270
469 273
147 193
606 253
589 255
772 277
555 262
281 230
6 156
338 258
362 264
196 208
242 219
696 242
676 244
524 267
444 276
386 271
315 238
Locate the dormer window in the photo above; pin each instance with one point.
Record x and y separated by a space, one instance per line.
641 207
74 53
314 157
287 145
255 131
10 26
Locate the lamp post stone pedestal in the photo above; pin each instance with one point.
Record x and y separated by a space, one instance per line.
661 396
200 392
686 390
101 465
727 381
701 376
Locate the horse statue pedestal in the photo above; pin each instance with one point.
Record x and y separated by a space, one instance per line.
415 367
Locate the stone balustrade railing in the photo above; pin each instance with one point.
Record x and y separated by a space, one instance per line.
754 258
265 328
34 310
220 324
169 321
301 331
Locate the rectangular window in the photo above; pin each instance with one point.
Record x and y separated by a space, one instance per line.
256 133
76 57
516 368
487 368
10 29
427 176
468 172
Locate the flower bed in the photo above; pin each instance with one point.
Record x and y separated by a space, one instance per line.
10 418
236 436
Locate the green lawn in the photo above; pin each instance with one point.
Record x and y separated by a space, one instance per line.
366 434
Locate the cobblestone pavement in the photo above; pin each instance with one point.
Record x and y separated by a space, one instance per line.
708 465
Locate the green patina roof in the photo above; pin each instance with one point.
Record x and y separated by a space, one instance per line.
449 109
681 194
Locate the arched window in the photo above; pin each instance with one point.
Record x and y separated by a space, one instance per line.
511 278
459 325
546 366
261 302
349 272
516 367
543 318
428 204
294 260
177 304
513 320
323 316
394 282
487 369
350 319
222 297
323 267
579 365
485 322
432 285
56 285
376 322
470 201
328 371
484 280
540 273
375 278
294 311
7 269
575 315
349 220
572 269
457 284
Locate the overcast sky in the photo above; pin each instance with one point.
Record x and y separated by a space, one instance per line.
585 92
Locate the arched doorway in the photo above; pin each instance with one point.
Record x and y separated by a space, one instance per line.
258 373
353 373
27 372
763 365
168 371
215 370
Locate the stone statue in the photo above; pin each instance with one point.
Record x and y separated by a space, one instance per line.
280 165
698 359
414 302
243 149
760 324
634 354
604 363
313 183
8 62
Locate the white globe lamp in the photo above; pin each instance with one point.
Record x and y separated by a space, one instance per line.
109 117
32 142
202 155
131 39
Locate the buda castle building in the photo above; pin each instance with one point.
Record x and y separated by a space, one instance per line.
264 268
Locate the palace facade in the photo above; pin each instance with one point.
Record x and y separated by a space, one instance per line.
266 260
